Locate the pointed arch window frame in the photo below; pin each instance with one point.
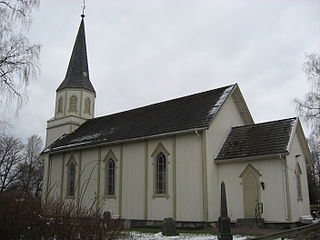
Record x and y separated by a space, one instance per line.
298 173
60 105
107 160
160 151
73 104
87 106
70 163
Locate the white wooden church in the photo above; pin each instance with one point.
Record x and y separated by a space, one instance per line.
168 159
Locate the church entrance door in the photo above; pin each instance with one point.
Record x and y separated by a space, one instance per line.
251 191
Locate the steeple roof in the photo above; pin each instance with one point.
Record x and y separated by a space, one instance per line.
77 75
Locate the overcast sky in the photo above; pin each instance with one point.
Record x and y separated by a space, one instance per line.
145 51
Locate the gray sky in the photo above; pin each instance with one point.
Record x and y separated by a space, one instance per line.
146 51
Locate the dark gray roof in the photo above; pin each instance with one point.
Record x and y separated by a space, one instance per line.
77 75
181 114
257 140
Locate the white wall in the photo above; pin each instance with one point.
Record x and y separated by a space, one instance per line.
299 207
110 204
272 197
227 117
160 207
133 181
55 165
189 178
189 194
67 158
88 183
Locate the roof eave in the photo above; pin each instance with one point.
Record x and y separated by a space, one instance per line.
242 106
225 100
252 158
84 146
304 142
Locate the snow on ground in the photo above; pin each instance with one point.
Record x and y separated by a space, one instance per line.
182 236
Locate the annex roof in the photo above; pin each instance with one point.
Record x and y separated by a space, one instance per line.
77 75
268 138
193 112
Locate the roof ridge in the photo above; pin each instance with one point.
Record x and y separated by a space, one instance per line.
165 101
268 122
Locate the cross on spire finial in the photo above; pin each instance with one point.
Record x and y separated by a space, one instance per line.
83 8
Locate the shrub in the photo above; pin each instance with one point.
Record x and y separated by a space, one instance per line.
24 217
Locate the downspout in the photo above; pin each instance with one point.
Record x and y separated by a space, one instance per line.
286 186
204 175
196 132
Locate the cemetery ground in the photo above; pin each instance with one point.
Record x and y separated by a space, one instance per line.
239 233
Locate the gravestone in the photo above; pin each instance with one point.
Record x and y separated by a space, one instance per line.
169 227
224 225
127 224
107 215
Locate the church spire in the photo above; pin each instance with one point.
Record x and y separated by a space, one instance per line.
77 75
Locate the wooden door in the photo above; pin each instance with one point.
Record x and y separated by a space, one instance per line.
250 193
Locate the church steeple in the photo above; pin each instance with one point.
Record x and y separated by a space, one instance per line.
75 97
77 75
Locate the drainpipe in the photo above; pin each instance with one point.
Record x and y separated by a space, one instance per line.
196 132
286 186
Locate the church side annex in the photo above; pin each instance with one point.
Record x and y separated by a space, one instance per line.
168 159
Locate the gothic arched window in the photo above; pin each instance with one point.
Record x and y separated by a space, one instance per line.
298 173
161 174
60 105
73 104
110 178
71 179
87 106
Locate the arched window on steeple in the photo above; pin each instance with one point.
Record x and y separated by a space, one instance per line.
60 105
73 104
87 106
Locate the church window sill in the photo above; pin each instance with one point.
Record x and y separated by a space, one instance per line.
70 197
108 197
164 195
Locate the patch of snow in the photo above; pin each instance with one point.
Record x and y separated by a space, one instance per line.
69 145
86 137
181 236
308 219
293 123
77 142
220 101
109 131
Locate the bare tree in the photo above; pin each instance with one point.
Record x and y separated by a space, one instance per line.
30 170
309 110
18 57
10 157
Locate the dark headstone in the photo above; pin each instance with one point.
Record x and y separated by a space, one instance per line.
169 227
224 225
107 215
